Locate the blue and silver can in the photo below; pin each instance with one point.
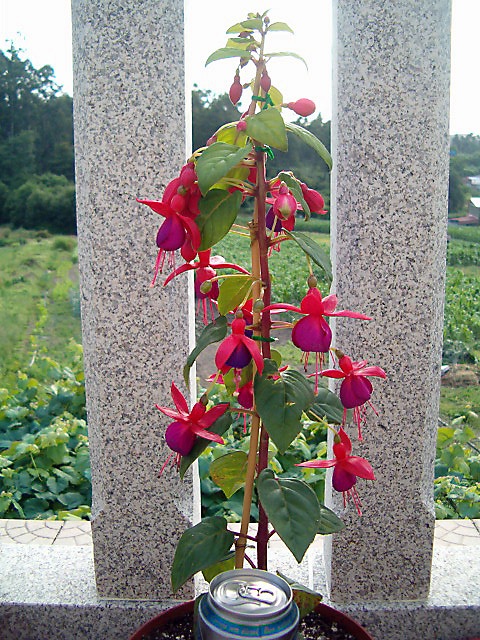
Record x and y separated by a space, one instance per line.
248 603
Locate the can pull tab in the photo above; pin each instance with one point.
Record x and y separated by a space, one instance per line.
256 594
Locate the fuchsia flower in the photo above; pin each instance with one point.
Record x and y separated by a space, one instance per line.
314 199
205 268
355 389
312 332
236 351
303 107
347 468
181 434
179 207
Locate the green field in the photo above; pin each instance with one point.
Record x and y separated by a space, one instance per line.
43 433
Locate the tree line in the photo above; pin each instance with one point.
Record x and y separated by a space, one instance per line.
37 155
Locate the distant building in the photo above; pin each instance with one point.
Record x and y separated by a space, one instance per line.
473 216
473 181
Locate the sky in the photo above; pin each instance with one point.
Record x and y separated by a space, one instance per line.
42 28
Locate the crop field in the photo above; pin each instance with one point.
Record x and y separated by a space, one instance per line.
43 433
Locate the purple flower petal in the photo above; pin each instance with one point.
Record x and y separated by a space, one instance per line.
355 391
269 219
342 480
312 333
171 234
239 357
179 438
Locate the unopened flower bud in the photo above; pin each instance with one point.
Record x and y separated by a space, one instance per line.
241 125
239 314
303 107
312 281
265 82
337 439
313 199
244 34
236 90
258 305
188 175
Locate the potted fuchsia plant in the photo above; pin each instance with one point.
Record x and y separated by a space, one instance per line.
199 207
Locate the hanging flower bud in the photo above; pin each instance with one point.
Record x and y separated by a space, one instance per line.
236 90
303 107
313 199
265 81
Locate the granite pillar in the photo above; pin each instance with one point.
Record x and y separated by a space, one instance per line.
389 210
130 140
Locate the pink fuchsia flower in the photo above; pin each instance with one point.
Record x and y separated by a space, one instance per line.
205 269
312 332
347 468
182 433
237 350
356 389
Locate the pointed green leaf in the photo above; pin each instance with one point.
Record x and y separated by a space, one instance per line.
233 291
280 403
329 521
284 54
312 249
275 96
228 133
227 52
268 127
326 406
200 547
219 427
309 138
229 471
279 26
294 185
238 43
216 161
224 565
213 332
218 211
237 28
293 509
252 23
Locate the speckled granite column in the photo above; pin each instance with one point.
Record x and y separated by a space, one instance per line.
130 141
390 141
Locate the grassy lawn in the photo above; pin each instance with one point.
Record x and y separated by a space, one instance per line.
38 288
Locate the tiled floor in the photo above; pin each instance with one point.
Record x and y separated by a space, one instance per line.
78 532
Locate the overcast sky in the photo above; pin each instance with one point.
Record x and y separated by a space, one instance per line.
42 28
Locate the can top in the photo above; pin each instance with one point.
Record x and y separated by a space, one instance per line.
250 592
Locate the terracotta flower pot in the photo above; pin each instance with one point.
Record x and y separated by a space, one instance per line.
186 608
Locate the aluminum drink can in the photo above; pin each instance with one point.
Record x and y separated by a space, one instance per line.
248 603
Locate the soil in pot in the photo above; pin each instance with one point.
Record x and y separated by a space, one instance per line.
313 627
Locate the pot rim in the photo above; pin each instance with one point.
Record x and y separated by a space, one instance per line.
348 623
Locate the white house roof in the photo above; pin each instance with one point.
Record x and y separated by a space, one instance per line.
475 202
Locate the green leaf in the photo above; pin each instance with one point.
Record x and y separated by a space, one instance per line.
224 565
238 43
252 23
216 161
213 332
219 427
229 471
237 28
293 509
311 140
275 96
283 54
218 211
312 249
268 127
34 507
233 291
280 403
294 185
200 547
71 499
279 26
329 521
305 598
326 406
227 52
229 134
